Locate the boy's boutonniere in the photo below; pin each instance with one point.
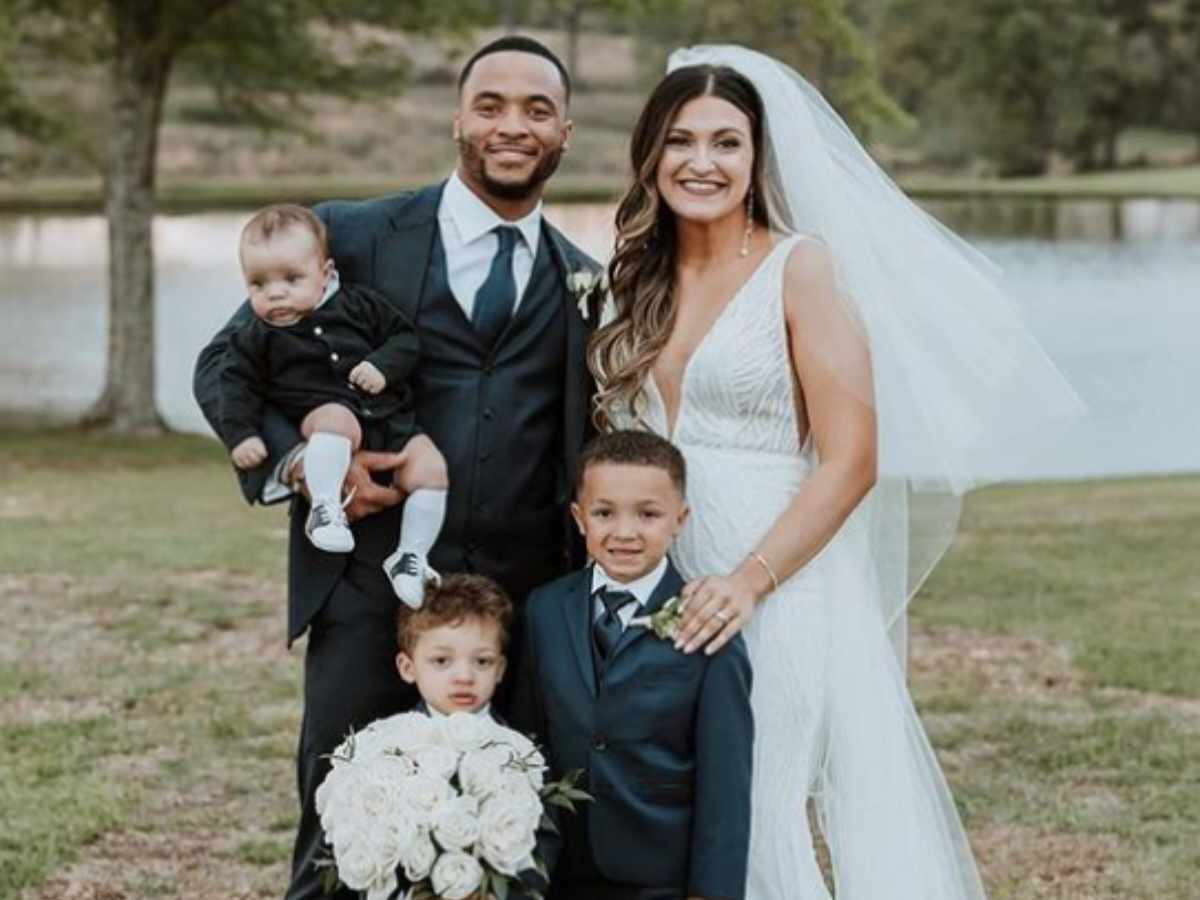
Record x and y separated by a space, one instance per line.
585 285
664 622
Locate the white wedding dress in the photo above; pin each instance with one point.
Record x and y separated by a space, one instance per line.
833 719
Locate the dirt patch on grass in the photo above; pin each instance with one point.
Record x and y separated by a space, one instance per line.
1008 665
130 865
1036 865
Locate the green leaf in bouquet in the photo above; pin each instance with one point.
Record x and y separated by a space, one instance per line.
548 824
560 800
500 888
329 876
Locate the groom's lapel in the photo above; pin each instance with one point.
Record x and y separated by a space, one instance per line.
402 254
668 587
575 395
576 609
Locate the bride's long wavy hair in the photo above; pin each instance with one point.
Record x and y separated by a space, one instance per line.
641 274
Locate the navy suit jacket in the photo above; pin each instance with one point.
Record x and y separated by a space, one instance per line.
665 739
385 243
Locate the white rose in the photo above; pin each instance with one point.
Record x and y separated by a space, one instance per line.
516 788
424 795
382 889
455 876
341 800
506 834
419 858
376 792
395 833
480 772
464 731
436 760
456 825
409 732
357 866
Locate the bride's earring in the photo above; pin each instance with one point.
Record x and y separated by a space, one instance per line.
749 222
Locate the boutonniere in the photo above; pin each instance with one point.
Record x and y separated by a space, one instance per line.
664 622
584 285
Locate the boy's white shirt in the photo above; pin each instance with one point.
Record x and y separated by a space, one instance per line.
465 225
485 710
641 588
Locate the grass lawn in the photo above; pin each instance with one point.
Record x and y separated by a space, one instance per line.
148 706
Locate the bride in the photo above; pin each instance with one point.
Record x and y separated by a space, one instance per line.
828 359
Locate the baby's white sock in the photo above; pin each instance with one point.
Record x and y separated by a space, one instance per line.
424 512
326 461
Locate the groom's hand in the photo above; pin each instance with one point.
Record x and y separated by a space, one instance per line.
367 496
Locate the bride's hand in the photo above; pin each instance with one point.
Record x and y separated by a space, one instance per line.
715 609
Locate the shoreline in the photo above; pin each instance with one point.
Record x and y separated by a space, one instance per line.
188 195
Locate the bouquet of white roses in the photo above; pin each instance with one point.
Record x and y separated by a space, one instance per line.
448 807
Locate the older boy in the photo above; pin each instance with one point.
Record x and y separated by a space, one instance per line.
664 737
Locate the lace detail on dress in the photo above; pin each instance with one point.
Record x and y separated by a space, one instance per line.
737 391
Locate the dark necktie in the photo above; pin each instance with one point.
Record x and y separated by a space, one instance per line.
496 297
607 629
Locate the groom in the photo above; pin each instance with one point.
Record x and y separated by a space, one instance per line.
501 388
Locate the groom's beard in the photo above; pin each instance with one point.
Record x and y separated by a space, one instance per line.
476 163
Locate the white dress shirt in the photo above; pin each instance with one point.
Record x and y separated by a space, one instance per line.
642 588
465 223
485 710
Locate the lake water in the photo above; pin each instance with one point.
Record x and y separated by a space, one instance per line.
1121 318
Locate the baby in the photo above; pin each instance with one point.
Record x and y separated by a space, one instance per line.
336 359
452 648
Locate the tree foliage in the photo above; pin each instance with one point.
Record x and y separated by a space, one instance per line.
260 59
824 40
1018 82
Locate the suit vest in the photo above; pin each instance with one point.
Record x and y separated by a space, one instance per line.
496 414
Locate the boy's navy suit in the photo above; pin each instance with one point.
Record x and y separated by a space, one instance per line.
665 739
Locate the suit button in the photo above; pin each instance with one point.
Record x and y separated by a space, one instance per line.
488 413
472 547
599 744
333 357
485 456
318 331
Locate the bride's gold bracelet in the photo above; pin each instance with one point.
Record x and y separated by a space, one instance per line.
762 561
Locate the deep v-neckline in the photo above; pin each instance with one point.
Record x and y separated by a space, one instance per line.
673 427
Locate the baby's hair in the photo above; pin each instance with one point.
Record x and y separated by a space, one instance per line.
634 448
459 597
279 217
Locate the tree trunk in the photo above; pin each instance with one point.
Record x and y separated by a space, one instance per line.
139 73
574 20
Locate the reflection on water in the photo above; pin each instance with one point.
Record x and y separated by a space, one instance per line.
1120 319
1057 219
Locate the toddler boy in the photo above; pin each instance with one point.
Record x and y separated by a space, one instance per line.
664 738
452 648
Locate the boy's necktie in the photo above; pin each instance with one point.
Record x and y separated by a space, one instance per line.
496 297
607 629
